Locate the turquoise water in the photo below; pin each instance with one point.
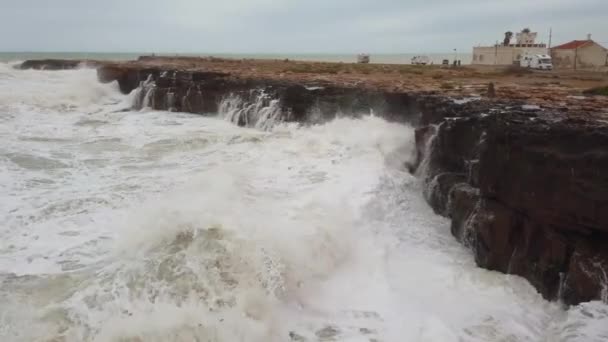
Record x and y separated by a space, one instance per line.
403 58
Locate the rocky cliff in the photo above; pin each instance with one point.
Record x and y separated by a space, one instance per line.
527 191
57 64
211 92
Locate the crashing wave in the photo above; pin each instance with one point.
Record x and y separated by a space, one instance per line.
143 96
262 112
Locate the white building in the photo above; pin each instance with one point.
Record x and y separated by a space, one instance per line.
507 54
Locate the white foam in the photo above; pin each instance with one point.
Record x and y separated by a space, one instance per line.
262 112
166 226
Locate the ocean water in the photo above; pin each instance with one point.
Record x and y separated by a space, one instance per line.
121 225
404 58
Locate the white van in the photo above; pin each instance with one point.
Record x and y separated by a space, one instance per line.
539 62
421 60
363 58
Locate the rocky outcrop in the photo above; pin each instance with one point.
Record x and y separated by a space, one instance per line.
203 92
528 192
57 64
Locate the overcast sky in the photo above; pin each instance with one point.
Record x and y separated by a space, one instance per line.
289 26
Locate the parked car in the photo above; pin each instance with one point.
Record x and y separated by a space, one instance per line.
363 58
421 60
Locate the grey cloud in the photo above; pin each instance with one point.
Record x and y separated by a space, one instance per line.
347 26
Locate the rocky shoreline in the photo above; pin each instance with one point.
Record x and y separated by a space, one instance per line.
203 91
524 185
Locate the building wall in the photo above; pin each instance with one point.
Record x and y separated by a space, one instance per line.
591 56
562 58
526 38
502 55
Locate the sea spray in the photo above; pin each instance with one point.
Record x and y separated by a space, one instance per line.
143 95
172 227
261 112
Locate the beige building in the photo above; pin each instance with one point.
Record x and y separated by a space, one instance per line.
506 53
580 54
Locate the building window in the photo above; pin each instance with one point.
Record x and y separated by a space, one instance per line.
474 57
481 58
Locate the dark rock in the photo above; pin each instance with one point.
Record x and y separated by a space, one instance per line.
587 277
540 254
491 92
529 195
494 230
462 205
314 102
473 173
456 145
552 171
438 191
57 64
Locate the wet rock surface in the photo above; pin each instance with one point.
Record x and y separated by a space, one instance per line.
57 64
527 190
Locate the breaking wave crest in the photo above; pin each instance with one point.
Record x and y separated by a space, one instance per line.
67 90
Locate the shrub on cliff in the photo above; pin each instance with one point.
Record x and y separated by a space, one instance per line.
602 91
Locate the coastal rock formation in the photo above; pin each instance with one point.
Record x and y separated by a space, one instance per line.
204 92
57 64
525 187
527 191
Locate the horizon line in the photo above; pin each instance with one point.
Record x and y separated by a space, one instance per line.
147 53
